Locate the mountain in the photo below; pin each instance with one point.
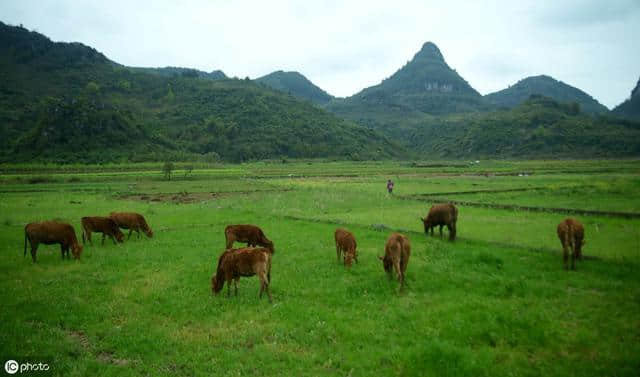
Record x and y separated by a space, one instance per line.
546 86
424 88
425 85
66 102
630 108
180 71
295 84
540 127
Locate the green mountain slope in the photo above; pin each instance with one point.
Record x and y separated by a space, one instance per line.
630 108
295 84
426 85
548 87
539 128
67 102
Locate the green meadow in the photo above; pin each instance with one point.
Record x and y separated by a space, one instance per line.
496 302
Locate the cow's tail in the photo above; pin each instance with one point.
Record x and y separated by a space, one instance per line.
569 238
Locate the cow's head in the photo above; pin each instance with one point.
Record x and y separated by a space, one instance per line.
119 235
386 263
348 258
426 223
217 282
76 250
148 231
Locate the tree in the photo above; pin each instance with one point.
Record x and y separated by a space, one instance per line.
167 169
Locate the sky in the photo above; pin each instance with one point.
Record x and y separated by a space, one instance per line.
346 46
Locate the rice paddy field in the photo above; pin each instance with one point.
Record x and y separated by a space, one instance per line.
495 302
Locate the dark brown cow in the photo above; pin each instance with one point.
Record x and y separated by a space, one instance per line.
440 215
249 234
51 232
104 225
132 221
397 251
346 245
234 263
571 235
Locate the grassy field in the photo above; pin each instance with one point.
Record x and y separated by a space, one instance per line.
496 302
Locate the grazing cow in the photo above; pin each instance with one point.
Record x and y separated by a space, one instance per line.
396 254
441 214
346 244
571 235
51 232
249 234
234 263
104 225
132 221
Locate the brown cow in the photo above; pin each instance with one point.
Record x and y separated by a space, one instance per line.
397 251
249 234
441 214
234 263
571 235
132 221
346 244
51 232
104 225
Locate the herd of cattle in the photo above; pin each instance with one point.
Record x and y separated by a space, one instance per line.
253 260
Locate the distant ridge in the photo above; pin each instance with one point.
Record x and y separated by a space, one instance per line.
184 72
295 84
545 86
630 108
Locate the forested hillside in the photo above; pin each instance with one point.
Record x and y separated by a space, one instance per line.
67 102
297 85
546 86
630 108
539 128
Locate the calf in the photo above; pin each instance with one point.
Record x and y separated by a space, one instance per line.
104 225
132 221
249 234
571 235
396 254
440 215
51 232
346 244
234 263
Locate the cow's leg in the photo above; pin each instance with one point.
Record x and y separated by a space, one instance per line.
565 257
130 231
34 248
440 230
264 286
103 236
573 257
338 252
62 250
89 237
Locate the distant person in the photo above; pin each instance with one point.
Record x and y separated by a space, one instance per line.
390 186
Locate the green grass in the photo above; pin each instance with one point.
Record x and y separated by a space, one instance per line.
496 302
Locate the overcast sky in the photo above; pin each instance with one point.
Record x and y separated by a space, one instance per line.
345 46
